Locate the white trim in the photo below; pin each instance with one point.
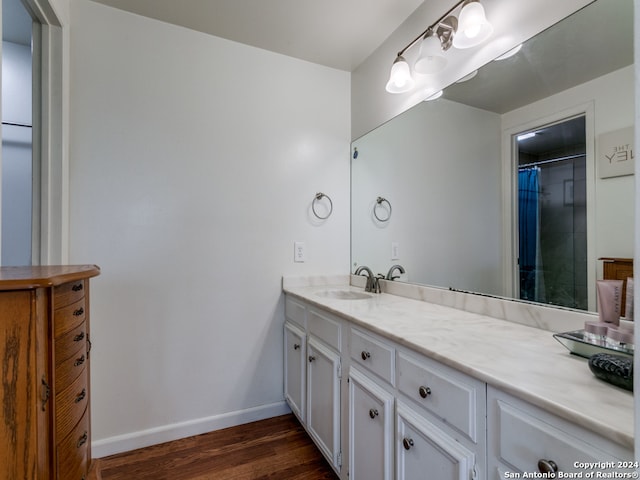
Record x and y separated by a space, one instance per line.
175 431
509 186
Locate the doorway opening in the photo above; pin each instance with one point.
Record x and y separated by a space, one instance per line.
552 214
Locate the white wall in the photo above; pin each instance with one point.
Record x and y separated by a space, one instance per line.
193 164
444 187
371 105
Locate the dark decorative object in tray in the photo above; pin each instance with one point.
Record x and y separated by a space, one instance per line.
614 369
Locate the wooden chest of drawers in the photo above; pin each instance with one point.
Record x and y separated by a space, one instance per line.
44 389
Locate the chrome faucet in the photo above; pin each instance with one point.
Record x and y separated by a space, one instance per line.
373 284
392 269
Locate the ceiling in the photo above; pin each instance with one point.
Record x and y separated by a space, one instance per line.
337 33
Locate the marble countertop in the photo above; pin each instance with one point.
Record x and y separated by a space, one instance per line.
524 361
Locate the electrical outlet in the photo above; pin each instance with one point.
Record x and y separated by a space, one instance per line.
395 251
299 252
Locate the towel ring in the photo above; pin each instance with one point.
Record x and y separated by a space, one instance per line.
380 201
319 196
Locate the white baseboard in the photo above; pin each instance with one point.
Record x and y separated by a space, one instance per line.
175 431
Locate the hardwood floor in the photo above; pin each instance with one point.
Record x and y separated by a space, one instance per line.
276 448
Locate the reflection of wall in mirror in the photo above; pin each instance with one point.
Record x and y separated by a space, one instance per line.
439 166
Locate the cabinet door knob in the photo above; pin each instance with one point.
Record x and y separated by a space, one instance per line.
77 287
365 355
79 337
373 413
424 391
296 346
547 466
311 358
79 361
78 312
407 443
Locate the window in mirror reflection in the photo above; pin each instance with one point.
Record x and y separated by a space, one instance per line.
552 214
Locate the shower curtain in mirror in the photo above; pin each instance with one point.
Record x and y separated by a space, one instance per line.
530 261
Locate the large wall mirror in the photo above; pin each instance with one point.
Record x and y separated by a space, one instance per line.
436 188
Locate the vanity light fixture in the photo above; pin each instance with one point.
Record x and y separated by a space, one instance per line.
471 28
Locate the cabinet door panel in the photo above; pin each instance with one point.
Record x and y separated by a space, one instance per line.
425 451
370 429
294 360
323 399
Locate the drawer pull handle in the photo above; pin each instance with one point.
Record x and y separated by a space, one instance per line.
365 355
296 346
547 466
77 287
79 361
407 443
82 440
78 312
311 358
79 337
373 413
424 391
81 395
46 392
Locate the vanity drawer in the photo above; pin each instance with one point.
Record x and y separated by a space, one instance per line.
326 328
68 293
70 343
71 404
373 354
73 452
69 317
295 312
446 393
523 435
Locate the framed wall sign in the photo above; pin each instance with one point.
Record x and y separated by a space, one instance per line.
616 153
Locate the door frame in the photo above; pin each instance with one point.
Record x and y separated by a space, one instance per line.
510 192
50 165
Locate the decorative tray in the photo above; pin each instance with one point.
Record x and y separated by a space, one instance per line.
578 345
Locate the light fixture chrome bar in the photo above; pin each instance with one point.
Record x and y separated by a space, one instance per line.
432 27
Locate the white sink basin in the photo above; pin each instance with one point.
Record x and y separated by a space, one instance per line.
343 294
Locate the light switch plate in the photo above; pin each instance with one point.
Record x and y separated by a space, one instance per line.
299 252
395 251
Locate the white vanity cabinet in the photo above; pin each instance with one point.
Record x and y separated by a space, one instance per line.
525 439
397 414
295 348
313 371
295 359
371 419
424 450
323 399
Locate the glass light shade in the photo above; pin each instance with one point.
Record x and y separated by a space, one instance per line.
430 60
400 80
473 26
